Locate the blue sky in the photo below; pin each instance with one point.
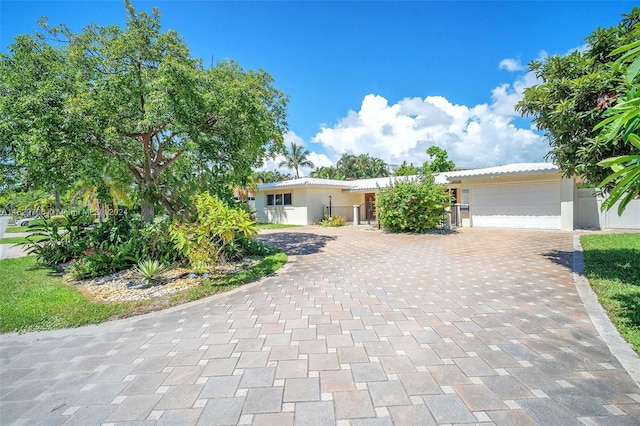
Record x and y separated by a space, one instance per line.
384 78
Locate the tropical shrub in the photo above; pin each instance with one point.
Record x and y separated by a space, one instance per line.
59 239
334 220
130 238
96 262
215 235
412 206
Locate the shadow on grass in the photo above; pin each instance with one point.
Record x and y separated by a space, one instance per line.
620 264
294 243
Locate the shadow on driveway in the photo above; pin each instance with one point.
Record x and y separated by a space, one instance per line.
294 243
560 257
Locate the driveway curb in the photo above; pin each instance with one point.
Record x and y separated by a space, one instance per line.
622 350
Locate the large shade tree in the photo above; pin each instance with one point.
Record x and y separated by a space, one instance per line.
574 92
134 96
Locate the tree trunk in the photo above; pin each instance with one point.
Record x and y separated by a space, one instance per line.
147 176
147 210
56 193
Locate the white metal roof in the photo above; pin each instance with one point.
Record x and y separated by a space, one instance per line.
508 169
383 182
440 178
307 181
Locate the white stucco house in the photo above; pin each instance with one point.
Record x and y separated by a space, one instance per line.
523 195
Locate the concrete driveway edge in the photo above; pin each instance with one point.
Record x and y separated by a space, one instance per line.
622 350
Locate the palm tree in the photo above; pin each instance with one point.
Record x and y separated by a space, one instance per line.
100 191
327 172
267 176
296 158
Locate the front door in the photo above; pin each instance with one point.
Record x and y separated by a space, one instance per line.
370 206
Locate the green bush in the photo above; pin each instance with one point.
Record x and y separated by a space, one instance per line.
129 237
117 243
57 240
122 241
96 263
334 220
412 206
215 235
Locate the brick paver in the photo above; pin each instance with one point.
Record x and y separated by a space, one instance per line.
361 327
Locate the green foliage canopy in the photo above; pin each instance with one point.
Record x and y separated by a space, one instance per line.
268 176
134 97
439 161
351 166
328 172
623 122
406 169
573 95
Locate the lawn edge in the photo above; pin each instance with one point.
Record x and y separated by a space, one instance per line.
134 316
622 350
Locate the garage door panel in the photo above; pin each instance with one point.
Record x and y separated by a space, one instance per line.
517 222
517 205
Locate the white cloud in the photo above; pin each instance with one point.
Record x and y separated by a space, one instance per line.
582 49
290 137
320 160
511 65
477 136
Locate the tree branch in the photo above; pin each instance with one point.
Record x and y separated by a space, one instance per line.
160 168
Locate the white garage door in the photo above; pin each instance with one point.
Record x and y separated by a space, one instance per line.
516 205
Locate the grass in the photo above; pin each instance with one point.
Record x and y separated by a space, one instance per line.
16 229
13 240
275 226
38 298
611 265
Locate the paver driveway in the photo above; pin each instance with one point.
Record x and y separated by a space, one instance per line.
481 326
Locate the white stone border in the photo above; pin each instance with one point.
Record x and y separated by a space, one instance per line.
622 350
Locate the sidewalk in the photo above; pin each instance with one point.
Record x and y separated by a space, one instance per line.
9 251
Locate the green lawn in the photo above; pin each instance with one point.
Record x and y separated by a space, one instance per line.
275 226
38 298
612 264
13 240
15 229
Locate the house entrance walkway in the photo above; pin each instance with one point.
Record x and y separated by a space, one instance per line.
360 328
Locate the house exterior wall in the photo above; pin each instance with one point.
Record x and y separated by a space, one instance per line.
296 214
309 204
536 200
318 202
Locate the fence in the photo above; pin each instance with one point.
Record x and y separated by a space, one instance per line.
367 213
344 211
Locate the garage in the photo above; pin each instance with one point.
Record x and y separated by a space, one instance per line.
525 204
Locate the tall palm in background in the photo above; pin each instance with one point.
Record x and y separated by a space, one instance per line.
295 158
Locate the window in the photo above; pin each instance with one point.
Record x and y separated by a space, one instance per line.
279 199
